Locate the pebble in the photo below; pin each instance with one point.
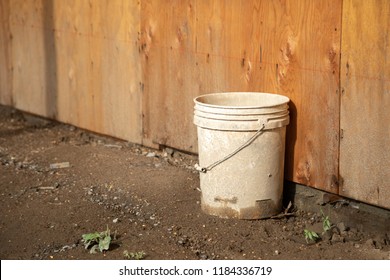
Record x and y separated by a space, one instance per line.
182 241
169 151
113 146
337 238
342 227
59 165
370 242
115 220
150 154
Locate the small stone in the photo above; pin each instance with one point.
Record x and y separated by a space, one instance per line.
150 154
370 242
380 241
59 165
277 252
113 146
337 238
183 241
169 151
342 227
115 220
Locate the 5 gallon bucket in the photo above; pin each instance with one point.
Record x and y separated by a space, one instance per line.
241 139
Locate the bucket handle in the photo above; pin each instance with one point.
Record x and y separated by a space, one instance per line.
246 144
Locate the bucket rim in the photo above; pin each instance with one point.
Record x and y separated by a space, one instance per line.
282 100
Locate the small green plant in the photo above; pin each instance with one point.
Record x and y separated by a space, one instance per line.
326 224
98 240
310 235
134 256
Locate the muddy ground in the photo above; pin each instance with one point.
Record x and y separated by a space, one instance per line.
150 201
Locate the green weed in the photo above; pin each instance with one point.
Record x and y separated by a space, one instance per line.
97 240
326 224
310 235
134 256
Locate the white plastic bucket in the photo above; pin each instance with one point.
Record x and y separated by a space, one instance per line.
241 139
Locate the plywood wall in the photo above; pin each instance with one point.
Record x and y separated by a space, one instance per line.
31 77
5 54
286 47
365 102
99 71
78 62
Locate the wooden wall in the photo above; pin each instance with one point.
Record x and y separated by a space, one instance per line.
131 69
5 54
77 61
285 47
365 102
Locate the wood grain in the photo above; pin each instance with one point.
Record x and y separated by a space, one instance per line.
5 54
365 103
78 62
29 63
169 70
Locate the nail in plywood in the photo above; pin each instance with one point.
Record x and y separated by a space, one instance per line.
285 47
365 102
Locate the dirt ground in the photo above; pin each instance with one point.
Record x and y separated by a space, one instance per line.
150 201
